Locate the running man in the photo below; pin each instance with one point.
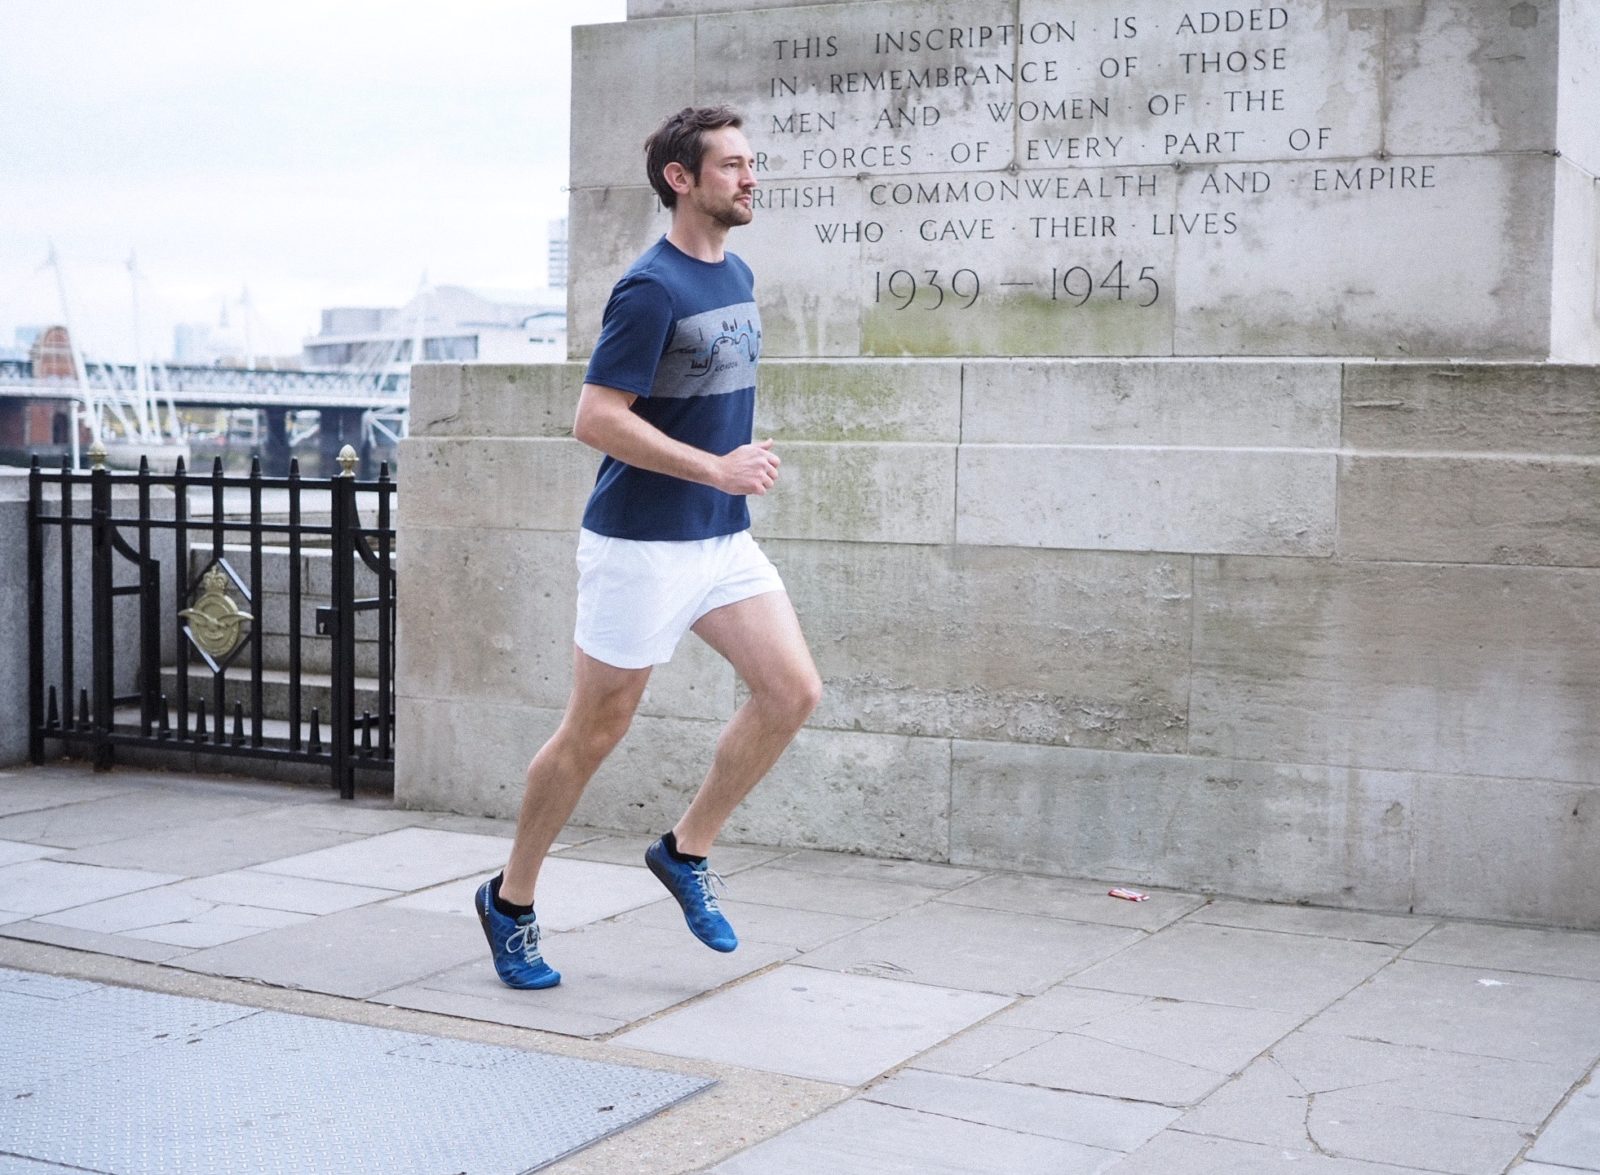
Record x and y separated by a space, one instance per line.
669 399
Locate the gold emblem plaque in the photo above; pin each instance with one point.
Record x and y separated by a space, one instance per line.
214 619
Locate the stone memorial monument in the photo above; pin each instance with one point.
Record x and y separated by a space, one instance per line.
1191 437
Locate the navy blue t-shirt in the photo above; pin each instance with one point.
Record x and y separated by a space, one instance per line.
683 335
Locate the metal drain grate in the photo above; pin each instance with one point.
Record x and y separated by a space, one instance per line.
126 1082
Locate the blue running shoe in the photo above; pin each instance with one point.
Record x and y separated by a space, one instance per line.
691 885
514 943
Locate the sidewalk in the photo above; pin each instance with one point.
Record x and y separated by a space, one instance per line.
879 1016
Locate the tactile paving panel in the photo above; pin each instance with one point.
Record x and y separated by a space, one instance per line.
127 1082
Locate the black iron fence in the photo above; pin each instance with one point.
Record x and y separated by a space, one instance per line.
228 615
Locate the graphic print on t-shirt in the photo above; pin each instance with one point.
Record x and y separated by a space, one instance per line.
711 354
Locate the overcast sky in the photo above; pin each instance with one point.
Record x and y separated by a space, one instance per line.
318 154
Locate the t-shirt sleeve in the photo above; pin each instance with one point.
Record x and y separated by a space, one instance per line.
633 335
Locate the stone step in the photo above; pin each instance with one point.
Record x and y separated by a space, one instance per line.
316 690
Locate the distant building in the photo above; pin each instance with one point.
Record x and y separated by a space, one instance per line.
455 324
558 254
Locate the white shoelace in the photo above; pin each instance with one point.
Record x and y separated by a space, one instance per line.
525 938
706 876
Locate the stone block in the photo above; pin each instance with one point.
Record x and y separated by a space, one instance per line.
616 105
498 628
1147 403
864 493
608 228
1087 648
1326 835
497 484
1575 276
883 401
494 399
1577 83
1452 281
1463 77
1491 671
465 756
1521 851
1237 501
1470 510
1541 409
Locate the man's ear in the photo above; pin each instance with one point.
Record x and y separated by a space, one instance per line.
677 177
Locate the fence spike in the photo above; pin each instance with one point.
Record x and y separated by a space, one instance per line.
255 465
238 723
164 729
178 469
52 715
315 742
200 722
83 709
366 734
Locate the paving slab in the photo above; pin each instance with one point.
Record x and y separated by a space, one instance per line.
611 976
973 948
1483 1012
1343 1123
979 1049
14 851
1243 968
571 893
1193 1154
1572 1138
44 886
819 1024
1086 1065
798 889
1063 1008
279 891
799 930
1108 1123
1573 954
1079 901
727 859
355 953
121 814
212 846
1212 1036
404 859
880 869
1423 1078
52 787
1393 930
121 946
168 915
865 1138
1264 1104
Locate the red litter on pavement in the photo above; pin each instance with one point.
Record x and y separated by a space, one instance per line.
1128 895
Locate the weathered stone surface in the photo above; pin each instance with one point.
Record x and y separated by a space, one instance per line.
1455 670
1578 136
864 493
607 228
1545 409
1470 510
1325 835
1575 278
1463 77
465 756
494 399
1176 403
1449 284
886 400
498 627
996 643
1238 501
619 97
478 482
1525 852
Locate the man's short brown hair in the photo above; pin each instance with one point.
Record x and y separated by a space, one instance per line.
681 139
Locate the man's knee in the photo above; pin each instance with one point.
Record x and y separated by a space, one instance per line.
795 695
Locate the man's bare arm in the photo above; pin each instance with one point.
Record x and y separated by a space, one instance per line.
605 422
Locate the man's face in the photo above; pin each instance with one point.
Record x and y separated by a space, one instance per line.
727 178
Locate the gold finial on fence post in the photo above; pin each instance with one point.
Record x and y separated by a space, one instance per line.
348 460
97 455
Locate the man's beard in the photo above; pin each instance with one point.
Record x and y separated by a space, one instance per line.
733 216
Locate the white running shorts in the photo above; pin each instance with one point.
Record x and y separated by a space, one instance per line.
637 599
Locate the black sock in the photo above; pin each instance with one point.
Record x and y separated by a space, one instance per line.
505 907
671 842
